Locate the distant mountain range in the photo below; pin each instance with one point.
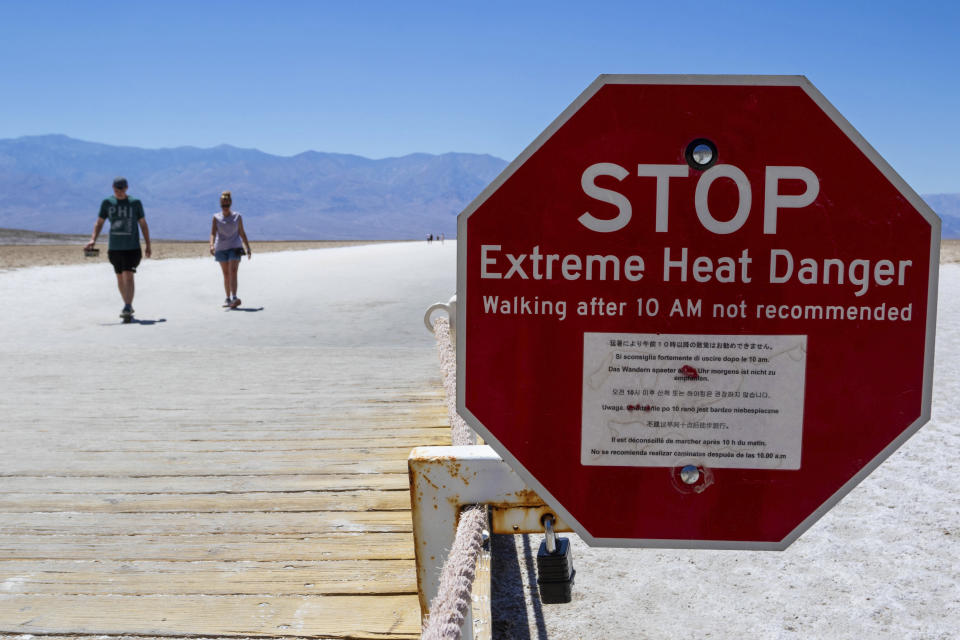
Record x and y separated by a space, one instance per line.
55 183
947 206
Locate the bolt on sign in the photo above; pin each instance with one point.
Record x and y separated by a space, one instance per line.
696 311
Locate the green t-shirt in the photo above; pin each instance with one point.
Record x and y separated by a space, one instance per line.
124 216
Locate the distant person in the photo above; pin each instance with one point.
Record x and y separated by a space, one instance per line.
441 238
125 215
227 242
429 238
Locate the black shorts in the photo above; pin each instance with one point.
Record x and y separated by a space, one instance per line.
125 259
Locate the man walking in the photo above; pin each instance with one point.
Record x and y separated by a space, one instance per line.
125 215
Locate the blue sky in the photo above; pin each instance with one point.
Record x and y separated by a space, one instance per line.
383 79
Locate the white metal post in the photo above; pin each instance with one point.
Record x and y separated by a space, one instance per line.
443 480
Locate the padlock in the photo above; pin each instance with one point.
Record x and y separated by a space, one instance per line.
555 571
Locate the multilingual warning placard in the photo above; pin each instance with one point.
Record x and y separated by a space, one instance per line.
666 400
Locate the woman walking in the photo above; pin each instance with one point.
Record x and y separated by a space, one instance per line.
227 243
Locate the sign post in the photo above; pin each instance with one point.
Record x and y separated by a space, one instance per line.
696 311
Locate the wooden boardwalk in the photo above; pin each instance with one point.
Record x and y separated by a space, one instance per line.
171 492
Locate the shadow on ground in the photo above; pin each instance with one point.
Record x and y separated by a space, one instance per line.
143 321
511 578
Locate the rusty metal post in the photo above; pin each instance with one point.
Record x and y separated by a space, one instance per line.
443 480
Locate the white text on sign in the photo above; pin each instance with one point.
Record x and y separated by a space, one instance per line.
773 200
681 266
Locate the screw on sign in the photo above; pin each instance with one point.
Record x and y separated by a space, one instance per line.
696 311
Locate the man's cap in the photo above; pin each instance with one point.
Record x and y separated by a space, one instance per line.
225 195
119 182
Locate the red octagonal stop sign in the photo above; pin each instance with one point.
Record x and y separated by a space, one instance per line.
696 311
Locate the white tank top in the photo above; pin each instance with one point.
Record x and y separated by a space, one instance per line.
228 232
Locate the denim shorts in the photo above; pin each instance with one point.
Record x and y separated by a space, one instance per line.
227 255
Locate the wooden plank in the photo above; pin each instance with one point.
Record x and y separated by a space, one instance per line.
159 430
181 457
482 596
284 404
176 464
185 427
113 443
206 503
71 523
319 417
226 547
354 617
293 483
143 514
104 577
